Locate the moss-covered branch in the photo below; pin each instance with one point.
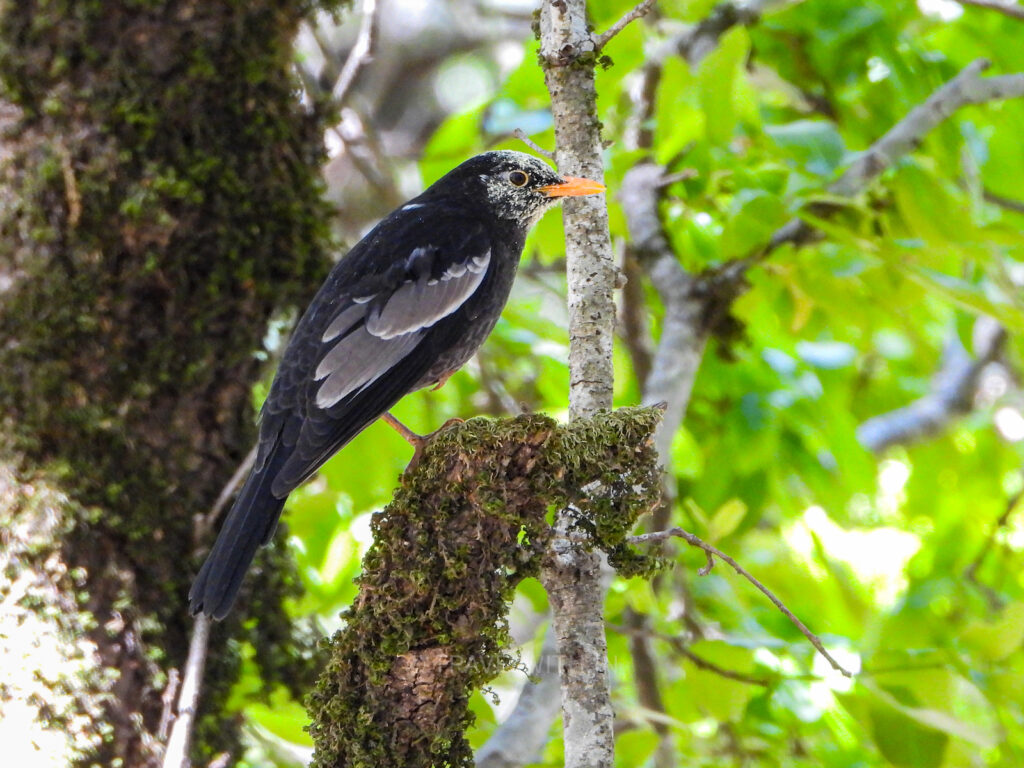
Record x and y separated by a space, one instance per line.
469 522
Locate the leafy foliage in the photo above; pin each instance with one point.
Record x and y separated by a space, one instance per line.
898 561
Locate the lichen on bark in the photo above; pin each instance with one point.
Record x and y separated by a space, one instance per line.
469 522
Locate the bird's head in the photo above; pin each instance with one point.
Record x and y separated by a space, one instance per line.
512 185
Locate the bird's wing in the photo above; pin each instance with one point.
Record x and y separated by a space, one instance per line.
359 349
371 334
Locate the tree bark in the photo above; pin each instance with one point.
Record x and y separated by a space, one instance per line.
572 575
159 197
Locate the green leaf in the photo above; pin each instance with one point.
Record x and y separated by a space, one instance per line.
687 456
816 144
753 216
716 80
726 519
931 718
284 717
996 640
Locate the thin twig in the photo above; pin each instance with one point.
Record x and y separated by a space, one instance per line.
176 754
641 10
709 551
361 53
1011 9
701 663
1008 203
520 134
680 646
971 571
167 699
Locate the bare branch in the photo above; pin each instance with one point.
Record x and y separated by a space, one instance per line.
1011 9
709 550
176 754
680 646
520 134
519 740
641 10
967 88
971 571
1007 203
361 53
952 394
702 38
572 576
701 663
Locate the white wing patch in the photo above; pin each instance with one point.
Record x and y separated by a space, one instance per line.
421 303
343 322
357 361
361 354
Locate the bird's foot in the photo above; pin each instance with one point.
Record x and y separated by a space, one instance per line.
418 442
440 383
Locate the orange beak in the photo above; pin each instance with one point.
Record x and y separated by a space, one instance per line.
573 187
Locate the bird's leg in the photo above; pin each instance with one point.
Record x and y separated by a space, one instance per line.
410 437
441 382
418 442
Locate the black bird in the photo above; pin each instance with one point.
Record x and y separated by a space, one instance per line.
404 309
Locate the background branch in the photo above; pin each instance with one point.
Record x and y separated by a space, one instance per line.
360 55
710 551
952 395
520 739
1007 7
968 87
177 752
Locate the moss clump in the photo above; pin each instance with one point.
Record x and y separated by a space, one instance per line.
470 521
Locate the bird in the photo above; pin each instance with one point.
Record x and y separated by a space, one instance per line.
406 307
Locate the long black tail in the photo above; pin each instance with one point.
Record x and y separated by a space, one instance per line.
249 525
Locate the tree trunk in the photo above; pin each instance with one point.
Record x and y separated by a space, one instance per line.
159 196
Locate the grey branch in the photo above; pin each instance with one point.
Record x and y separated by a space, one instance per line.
1008 7
204 523
176 754
520 134
952 393
519 740
641 10
361 53
711 553
701 39
684 333
968 87
571 575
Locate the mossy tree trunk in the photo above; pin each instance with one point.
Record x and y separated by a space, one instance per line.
159 198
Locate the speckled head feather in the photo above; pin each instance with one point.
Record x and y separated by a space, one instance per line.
512 183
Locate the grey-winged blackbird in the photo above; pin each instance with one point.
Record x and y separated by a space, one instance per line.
407 306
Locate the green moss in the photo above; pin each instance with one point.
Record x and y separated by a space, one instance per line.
470 522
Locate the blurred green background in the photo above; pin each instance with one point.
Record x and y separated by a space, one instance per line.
907 562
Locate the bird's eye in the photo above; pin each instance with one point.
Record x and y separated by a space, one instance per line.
518 178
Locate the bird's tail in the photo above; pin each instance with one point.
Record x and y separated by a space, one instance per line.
249 525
